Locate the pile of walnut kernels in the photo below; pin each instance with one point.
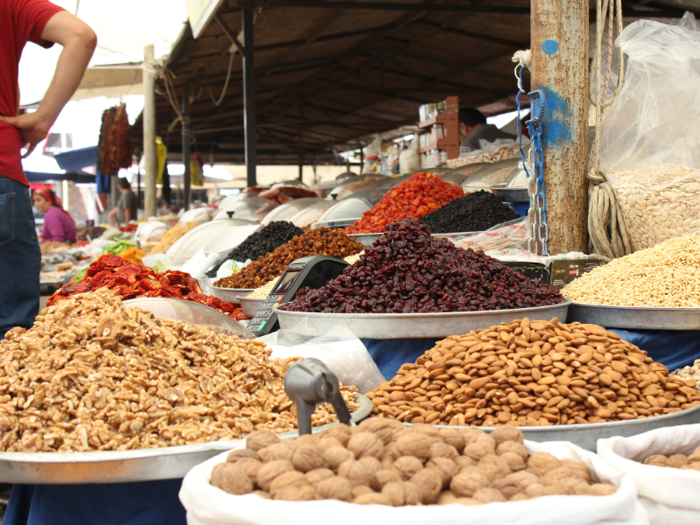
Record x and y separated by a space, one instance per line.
92 374
383 462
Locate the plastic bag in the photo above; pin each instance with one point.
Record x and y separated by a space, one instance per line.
208 505
341 351
409 159
509 235
372 153
651 133
669 495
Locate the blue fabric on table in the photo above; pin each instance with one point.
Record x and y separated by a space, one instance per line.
672 348
144 503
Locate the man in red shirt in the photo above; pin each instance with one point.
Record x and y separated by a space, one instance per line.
43 23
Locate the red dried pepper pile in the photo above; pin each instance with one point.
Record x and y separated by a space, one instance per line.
411 199
136 280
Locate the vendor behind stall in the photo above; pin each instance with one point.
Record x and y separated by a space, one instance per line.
127 208
58 225
473 128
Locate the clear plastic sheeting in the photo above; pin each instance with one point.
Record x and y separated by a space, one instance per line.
490 175
353 185
310 214
189 312
347 211
286 211
248 209
187 246
196 215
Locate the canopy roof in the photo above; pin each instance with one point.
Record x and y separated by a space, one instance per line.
328 73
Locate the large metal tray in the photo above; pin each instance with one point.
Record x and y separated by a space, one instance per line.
636 317
62 468
411 326
587 436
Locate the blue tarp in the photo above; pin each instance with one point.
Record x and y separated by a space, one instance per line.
77 159
79 177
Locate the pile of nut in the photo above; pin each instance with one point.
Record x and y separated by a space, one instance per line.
321 241
681 461
658 203
663 276
690 373
532 374
383 462
92 374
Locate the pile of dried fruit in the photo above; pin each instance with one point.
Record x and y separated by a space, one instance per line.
413 198
172 235
529 374
475 212
92 374
666 275
407 270
130 281
266 240
382 462
321 241
692 461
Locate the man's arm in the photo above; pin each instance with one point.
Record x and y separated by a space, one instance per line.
111 217
78 42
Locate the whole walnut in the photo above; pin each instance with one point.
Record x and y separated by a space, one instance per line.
371 464
514 461
408 466
340 432
382 477
453 437
543 462
506 433
512 446
441 450
401 493
464 461
250 467
372 498
307 457
519 496
692 466
391 453
297 493
383 428
470 434
602 489
695 456
365 444
556 475
308 439
500 464
261 439
428 430
261 494
429 484
354 471
414 444
336 455
486 439
677 460
658 460
488 495
465 484
573 486
317 475
515 483
468 501
476 451
335 488
231 479
275 453
359 490
537 490
241 453
446 498
269 471
327 443
286 479
445 467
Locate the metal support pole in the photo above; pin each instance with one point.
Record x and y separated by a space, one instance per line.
149 134
249 96
559 30
187 176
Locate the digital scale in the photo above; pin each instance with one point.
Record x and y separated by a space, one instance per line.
312 271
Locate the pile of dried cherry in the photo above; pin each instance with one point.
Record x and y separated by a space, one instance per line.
408 271
418 196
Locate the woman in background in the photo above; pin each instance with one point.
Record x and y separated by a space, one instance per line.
58 225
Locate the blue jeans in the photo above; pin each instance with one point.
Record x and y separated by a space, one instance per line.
20 258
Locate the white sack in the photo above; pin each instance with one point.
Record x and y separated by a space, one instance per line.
671 496
208 505
340 350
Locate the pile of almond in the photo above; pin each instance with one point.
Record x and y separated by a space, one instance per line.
532 374
681 461
384 462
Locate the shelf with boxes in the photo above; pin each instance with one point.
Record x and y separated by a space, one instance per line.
441 142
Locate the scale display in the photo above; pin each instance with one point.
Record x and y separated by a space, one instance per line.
313 271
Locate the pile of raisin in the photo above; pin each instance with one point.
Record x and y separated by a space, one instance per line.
475 212
321 241
408 271
418 196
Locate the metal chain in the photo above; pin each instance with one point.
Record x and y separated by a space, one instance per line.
535 128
